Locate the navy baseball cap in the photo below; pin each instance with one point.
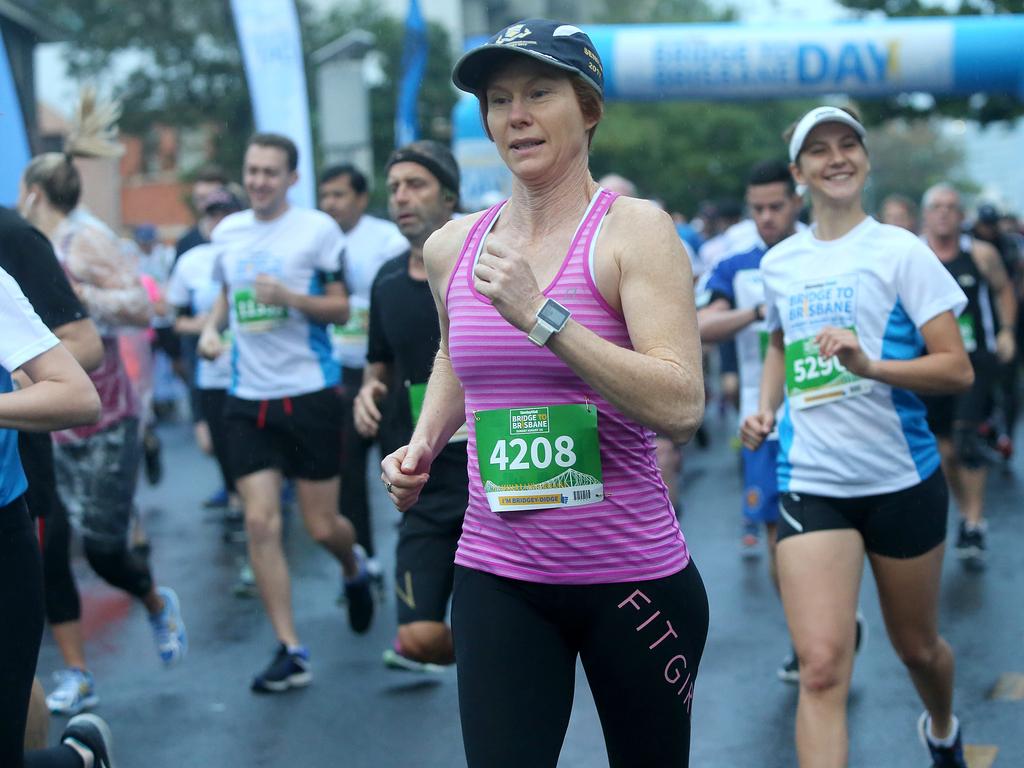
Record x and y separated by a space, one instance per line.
221 200
561 45
988 214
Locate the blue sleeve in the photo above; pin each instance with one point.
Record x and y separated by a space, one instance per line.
720 284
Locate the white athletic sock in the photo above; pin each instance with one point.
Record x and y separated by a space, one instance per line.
950 740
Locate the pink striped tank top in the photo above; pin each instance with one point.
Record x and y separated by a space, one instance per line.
630 535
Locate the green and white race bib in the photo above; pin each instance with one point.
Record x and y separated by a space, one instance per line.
813 380
539 458
253 316
968 333
416 394
356 329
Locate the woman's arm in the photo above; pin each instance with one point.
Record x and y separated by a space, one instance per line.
83 341
107 281
444 404
946 369
61 395
406 471
659 383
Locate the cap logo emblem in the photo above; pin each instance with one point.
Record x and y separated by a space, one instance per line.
515 32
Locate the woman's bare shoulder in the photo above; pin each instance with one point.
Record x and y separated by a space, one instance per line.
443 246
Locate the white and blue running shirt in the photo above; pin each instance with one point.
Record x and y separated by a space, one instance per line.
886 284
24 337
192 285
277 352
368 245
738 280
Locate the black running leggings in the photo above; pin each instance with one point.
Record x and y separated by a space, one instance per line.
353 501
44 504
516 645
21 604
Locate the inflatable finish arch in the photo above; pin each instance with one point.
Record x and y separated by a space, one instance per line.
714 62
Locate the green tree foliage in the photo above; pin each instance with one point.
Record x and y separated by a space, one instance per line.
686 152
437 95
984 108
179 64
909 157
659 12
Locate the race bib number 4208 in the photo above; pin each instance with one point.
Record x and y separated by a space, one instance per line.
539 458
815 380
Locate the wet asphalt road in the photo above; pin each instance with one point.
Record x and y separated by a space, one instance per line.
358 714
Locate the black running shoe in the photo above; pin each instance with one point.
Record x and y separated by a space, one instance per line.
970 542
862 634
942 757
789 672
359 596
286 670
92 733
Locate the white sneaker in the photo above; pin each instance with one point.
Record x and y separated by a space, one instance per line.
169 629
75 692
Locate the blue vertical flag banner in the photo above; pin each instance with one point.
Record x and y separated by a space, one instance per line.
414 65
13 138
268 33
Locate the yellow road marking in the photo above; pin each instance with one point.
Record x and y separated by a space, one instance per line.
980 756
1009 687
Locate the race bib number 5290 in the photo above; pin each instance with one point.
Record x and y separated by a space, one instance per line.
539 458
815 380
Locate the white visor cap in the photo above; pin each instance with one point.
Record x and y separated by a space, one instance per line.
816 117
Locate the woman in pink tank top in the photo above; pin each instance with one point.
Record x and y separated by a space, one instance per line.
568 338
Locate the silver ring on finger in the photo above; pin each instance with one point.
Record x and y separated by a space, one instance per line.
387 486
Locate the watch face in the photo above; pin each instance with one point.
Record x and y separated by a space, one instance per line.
553 313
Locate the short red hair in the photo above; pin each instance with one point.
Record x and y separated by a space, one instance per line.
591 105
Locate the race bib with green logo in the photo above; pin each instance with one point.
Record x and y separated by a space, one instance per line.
764 338
416 394
539 458
967 332
254 316
814 380
356 329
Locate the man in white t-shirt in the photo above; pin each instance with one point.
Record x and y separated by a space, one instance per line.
191 292
344 194
281 271
735 311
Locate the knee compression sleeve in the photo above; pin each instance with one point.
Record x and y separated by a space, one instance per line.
120 568
970 451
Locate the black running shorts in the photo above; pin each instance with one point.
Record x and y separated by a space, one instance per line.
970 408
299 436
901 524
425 556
